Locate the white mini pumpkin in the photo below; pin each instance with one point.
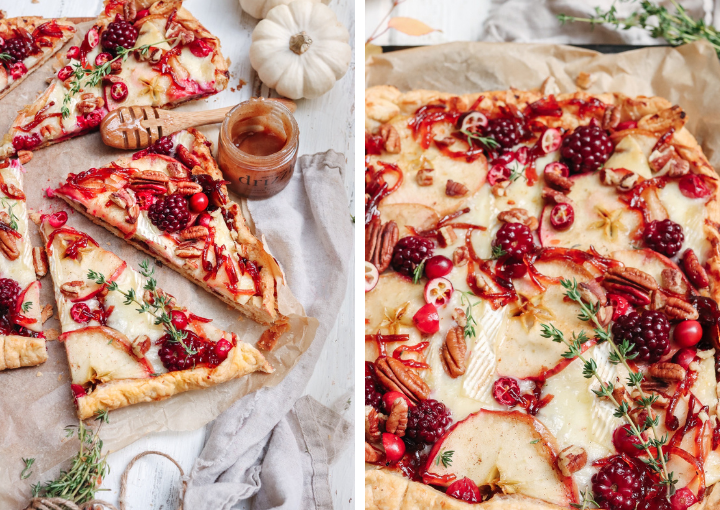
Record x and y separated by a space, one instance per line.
300 49
259 8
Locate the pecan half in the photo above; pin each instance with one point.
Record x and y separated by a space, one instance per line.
46 313
152 176
672 280
446 236
661 122
424 177
391 138
461 256
176 170
88 103
380 241
24 157
372 456
184 187
499 189
459 316
130 10
611 117
188 252
153 55
140 346
372 424
395 376
666 371
453 351
195 232
554 196
519 215
694 270
571 460
592 293
72 289
557 181
8 245
177 31
398 418
585 80
40 261
122 198
623 181
631 283
678 309
455 189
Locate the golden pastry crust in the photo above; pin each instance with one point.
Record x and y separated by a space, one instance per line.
29 24
242 360
21 351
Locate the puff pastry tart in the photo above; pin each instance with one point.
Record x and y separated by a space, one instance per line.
170 201
126 340
22 343
137 53
26 43
541 310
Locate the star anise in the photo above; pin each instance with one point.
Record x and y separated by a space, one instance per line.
152 87
395 318
609 222
529 311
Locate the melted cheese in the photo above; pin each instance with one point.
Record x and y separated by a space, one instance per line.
629 155
20 269
690 214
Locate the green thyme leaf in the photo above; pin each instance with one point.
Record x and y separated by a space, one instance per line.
26 472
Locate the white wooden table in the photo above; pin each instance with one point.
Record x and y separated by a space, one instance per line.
325 123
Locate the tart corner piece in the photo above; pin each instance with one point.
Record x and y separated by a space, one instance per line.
22 342
170 201
126 340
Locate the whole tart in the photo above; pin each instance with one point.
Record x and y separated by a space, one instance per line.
541 310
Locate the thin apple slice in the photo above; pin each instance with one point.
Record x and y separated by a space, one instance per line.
418 216
100 354
601 219
507 449
30 300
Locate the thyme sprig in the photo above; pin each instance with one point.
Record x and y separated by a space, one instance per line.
26 473
587 498
470 322
445 458
620 354
676 28
13 217
93 75
160 301
27 305
5 56
418 272
487 142
497 252
88 467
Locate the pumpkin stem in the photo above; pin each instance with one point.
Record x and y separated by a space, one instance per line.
300 43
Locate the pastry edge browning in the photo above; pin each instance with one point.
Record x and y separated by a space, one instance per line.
21 351
116 394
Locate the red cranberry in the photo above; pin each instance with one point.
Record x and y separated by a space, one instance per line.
73 53
498 173
222 348
627 124
65 73
682 499
391 396
394 447
200 48
557 168
174 355
464 489
102 59
93 119
685 356
78 390
562 216
438 266
550 140
620 305
474 122
204 220
119 92
18 70
506 391
427 319
92 38
80 313
142 14
625 442
198 202
179 319
693 186
687 333
58 219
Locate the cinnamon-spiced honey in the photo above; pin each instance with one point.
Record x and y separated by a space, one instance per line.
258 148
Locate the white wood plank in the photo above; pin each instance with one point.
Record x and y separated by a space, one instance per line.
325 123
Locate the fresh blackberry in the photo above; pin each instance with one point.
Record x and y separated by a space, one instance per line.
410 252
503 131
373 394
18 48
9 292
619 484
515 239
164 146
170 214
650 332
175 357
427 421
664 237
119 33
586 149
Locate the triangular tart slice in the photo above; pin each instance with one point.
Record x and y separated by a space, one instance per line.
22 342
159 55
126 340
26 42
170 201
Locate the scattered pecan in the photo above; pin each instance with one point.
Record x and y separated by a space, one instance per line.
52 334
461 256
188 252
380 241
631 283
453 351
130 10
623 181
176 30
446 236
424 177
672 280
592 293
571 460
184 187
8 245
46 313
48 131
391 138
133 213
458 316
194 232
556 197
666 371
372 456
499 189
519 215
24 156
694 270
153 55
398 418
140 346
176 170
88 103
372 424
395 376
611 117
151 176
604 315
72 289
122 198
170 301
40 261
455 189
549 86
483 282
620 395
679 309
557 181
657 300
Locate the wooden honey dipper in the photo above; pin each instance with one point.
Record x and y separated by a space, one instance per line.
137 127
